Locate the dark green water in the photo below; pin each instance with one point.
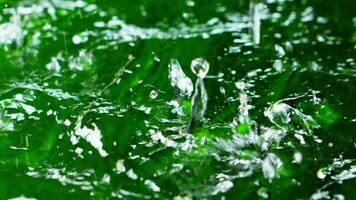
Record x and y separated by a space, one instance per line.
87 109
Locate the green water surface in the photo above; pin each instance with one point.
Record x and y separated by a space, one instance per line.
87 109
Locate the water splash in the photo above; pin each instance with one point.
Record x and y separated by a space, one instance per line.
200 68
93 136
241 155
11 33
83 61
345 174
180 82
282 115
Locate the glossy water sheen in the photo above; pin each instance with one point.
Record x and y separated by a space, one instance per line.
87 109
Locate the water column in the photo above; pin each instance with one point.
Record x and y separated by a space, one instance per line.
255 21
200 68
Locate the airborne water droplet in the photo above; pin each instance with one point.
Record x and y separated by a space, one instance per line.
278 65
200 67
80 38
321 173
297 158
120 167
153 94
263 193
152 185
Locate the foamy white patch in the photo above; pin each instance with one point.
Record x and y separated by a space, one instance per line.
177 109
10 33
345 175
93 136
81 62
157 136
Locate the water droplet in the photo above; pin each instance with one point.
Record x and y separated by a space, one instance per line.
152 185
200 67
321 173
29 109
278 65
145 109
190 3
67 122
319 195
153 94
270 166
49 112
222 90
120 167
298 157
338 197
131 174
280 51
157 59
106 179
79 151
223 186
289 46
263 193
19 97
80 38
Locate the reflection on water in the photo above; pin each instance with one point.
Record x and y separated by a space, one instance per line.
92 105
